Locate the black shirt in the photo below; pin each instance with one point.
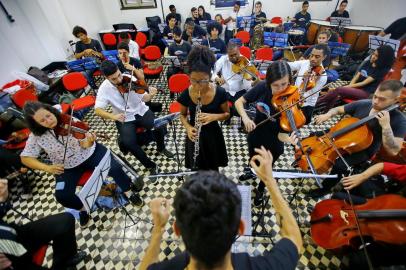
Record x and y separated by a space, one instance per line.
195 20
302 20
344 15
168 32
367 70
180 50
198 32
361 109
257 16
283 255
178 19
206 17
397 29
133 61
94 45
216 45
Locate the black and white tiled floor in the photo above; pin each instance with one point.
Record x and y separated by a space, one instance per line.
110 248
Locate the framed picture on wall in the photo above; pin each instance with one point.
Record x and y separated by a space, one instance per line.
310 0
228 3
137 4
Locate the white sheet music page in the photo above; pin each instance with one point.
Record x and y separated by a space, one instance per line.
245 192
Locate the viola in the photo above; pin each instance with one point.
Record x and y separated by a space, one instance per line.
245 68
348 136
68 126
309 80
334 225
292 117
138 86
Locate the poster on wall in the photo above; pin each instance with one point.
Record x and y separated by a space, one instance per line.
227 3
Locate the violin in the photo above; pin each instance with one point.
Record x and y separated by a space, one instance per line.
334 226
309 80
16 138
292 117
68 126
139 86
245 68
348 136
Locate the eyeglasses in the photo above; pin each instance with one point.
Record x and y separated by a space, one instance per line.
200 82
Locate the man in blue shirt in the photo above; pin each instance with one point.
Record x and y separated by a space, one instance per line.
303 17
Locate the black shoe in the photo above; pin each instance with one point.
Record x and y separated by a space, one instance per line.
153 170
77 258
246 175
317 193
83 218
137 185
259 198
136 200
167 153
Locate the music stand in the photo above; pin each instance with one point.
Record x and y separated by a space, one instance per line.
262 65
204 24
174 60
273 39
111 55
377 41
245 22
340 21
196 41
338 49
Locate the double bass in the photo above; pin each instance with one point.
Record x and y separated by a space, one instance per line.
334 225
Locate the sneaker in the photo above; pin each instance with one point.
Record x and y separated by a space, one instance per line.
137 185
246 175
77 258
84 218
167 153
136 200
259 198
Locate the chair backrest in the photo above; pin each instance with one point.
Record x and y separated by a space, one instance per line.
244 36
153 23
152 53
39 255
178 83
264 54
277 20
246 51
109 39
74 81
22 96
141 39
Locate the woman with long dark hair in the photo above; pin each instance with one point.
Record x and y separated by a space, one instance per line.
269 134
207 140
203 15
67 164
365 81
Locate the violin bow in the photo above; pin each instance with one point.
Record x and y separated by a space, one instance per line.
67 138
363 243
128 94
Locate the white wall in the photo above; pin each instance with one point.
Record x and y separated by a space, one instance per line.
43 28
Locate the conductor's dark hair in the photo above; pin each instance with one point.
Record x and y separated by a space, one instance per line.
386 57
278 70
321 47
123 46
392 85
124 35
201 59
177 31
30 108
305 3
108 68
213 25
208 212
77 30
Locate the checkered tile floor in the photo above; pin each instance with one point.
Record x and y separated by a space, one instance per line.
110 248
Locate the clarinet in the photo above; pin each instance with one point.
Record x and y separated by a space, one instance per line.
198 127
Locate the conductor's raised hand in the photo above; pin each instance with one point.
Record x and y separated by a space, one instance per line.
262 164
160 211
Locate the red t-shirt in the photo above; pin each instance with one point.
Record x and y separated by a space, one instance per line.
395 171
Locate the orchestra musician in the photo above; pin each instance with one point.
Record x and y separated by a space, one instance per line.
129 113
193 30
133 46
172 23
260 16
303 17
270 134
319 78
388 129
231 22
178 17
203 15
206 141
341 12
69 157
208 219
215 43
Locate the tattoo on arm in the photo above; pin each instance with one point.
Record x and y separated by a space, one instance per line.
389 141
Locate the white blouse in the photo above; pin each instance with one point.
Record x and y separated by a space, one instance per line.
54 146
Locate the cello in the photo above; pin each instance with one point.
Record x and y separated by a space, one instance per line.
334 226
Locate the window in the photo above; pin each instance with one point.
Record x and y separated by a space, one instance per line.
137 4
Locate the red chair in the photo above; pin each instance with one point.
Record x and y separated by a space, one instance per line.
246 51
141 40
177 84
22 96
38 256
244 36
152 53
264 54
110 40
74 82
277 20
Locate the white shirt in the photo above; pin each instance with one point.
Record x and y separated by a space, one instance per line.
134 49
109 95
55 147
231 25
301 67
234 82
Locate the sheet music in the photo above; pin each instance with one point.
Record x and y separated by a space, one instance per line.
90 191
245 192
377 41
173 59
340 21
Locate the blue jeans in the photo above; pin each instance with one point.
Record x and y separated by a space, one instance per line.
89 77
